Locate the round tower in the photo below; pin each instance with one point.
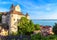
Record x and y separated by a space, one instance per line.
17 8
27 16
13 19
4 18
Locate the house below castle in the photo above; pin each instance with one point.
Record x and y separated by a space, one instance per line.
46 30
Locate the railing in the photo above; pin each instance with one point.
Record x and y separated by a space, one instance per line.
24 37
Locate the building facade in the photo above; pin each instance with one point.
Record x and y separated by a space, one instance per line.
46 30
11 18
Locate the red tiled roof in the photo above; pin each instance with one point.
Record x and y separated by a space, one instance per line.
4 13
45 27
16 12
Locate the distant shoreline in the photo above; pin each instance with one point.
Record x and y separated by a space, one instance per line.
44 22
45 19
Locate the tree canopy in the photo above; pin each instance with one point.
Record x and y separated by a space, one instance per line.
39 37
55 28
0 17
25 26
37 27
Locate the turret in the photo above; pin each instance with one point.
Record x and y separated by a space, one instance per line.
17 8
12 7
27 16
13 20
4 18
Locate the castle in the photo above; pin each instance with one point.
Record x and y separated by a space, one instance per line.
12 17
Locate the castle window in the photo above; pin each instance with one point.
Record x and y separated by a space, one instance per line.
14 19
18 20
12 15
15 23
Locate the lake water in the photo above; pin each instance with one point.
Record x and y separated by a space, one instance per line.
49 22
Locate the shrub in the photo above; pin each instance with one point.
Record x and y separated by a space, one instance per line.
55 28
39 37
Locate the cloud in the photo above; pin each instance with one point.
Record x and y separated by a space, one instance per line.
4 10
53 16
4 2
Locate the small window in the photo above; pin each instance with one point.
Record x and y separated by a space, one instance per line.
12 15
14 19
17 19
15 23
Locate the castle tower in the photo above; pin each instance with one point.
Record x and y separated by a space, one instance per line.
27 16
12 7
4 18
17 8
14 14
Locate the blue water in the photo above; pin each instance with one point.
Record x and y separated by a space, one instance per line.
45 22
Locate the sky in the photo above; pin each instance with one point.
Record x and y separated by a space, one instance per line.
37 9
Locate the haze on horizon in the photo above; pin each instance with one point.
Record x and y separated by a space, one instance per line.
37 9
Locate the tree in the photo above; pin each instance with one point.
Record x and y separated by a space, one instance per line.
0 17
39 37
37 27
36 37
25 26
55 28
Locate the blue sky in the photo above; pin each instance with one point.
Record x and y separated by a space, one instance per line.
37 9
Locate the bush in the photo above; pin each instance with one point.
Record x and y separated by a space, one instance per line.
36 37
0 17
25 39
37 27
39 37
55 28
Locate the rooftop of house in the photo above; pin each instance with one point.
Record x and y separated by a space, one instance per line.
46 27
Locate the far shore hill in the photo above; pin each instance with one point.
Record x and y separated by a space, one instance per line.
45 19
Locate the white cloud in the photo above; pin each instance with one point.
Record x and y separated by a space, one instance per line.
3 10
4 2
50 16
53 16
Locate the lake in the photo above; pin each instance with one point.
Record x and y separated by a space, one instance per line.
49 22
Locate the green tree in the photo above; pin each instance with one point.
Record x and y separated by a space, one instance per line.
39 37
0 17
37 27
55 28
25 26
36 37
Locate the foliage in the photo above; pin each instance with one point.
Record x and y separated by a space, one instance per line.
25 26
36 37
55 28
13 33
39 37
0 17
37 27
24 39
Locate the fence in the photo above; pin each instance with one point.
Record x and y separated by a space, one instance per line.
24 37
